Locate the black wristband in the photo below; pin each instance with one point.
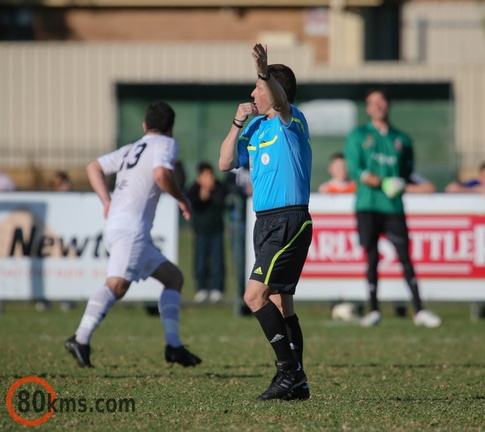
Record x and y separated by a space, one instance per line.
237 125
264 77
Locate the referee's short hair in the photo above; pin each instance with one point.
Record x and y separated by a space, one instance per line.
286 79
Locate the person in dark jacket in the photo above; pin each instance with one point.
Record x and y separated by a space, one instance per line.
207 195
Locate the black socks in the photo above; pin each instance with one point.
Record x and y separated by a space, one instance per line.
274 327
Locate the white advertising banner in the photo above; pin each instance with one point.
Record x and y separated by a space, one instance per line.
51 246
447 246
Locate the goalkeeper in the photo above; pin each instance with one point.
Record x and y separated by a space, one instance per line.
380 158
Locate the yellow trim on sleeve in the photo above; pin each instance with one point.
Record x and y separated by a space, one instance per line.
296 120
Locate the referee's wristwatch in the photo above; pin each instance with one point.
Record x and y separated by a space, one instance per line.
264 77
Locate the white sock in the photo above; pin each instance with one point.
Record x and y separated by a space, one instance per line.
169 308
98 305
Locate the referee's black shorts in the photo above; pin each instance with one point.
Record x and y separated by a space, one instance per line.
281 240
370 225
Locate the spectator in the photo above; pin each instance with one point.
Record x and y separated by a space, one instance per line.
6 183
339 182
419 184
60 182
380 157
476 185
207 196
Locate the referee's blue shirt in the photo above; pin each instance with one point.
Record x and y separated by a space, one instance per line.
280 160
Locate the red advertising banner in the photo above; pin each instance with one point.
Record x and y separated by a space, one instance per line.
441 246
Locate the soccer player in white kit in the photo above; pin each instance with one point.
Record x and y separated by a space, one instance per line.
143 170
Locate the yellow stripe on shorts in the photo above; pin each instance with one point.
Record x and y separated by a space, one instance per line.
266 280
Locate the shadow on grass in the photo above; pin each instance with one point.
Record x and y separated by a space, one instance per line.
127 376
406 366
223 376
416 399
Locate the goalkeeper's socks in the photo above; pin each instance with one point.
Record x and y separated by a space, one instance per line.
98 306
374 303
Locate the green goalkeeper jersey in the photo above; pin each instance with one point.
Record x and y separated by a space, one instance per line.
390 155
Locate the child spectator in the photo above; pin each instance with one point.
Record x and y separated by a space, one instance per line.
60 182
340 182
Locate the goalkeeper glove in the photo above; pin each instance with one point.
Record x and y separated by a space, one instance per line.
393 186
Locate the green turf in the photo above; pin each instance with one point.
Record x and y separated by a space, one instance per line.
394 377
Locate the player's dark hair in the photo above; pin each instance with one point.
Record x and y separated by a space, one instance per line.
482 166
286 79
159 117
382 90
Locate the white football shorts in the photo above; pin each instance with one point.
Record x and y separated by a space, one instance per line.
132 256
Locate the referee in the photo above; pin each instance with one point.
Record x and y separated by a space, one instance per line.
276 144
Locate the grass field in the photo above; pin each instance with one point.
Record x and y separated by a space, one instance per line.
394 377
